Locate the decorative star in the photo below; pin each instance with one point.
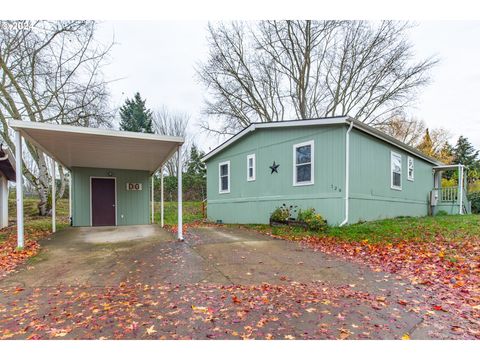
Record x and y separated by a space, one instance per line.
274 168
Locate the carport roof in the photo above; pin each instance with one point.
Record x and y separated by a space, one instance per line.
74 146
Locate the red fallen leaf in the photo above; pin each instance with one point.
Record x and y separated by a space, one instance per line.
402 302
236 300
439 308
457 329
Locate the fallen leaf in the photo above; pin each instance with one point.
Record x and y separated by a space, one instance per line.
151 330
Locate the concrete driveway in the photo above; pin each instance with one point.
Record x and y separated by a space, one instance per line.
210 261
109 255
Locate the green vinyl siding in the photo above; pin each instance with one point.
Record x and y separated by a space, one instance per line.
371 195
254 201
133 207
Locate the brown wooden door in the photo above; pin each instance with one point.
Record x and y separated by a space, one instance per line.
103 202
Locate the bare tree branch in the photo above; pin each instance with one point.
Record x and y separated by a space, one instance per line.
277 70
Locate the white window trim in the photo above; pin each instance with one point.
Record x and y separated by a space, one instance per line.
254 165
392 154
312 163
410 178
220 191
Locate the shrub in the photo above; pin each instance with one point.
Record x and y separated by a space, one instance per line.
441 213
314 221
474 198
283 213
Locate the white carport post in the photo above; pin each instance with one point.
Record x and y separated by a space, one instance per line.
19 181
70 197
161 197
153 203
54 215
180 211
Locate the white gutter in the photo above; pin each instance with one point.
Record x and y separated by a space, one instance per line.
347 172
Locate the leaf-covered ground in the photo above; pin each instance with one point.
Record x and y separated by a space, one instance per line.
199 311
440 253
10 255
428 287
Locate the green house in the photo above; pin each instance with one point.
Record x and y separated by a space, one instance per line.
346 170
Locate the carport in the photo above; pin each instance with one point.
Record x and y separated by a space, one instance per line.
98 151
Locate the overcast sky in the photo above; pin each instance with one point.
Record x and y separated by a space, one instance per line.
158 58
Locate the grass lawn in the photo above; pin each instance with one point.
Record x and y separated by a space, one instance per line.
390 230
33 222
192 211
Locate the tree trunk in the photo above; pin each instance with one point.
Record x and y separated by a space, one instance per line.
43 185
63 182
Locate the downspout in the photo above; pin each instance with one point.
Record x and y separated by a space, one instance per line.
460 183
347 172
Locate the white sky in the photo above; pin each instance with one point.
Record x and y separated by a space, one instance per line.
157 58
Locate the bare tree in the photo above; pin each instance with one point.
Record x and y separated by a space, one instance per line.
170 123
408 130
413 131
277 70
50 72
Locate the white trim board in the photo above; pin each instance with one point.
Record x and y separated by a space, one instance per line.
312 163
220 191
254 167
398 155
19 125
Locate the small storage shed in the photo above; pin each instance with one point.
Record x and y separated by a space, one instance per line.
7 173
111 172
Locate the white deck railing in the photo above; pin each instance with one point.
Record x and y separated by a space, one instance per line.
448 194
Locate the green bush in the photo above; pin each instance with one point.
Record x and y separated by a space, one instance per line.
314 221
441 213
474 198
283 213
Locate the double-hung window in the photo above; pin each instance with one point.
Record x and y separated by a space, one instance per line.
251 167
410 169
396 171
303 163
224 177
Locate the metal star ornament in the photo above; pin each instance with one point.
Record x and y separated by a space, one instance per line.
274 168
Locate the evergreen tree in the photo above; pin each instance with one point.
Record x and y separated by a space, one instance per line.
195 165
464 153
135 116
445 154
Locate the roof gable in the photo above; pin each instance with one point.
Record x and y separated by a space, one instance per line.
338 120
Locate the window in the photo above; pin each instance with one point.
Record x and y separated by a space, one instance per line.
410 168
303 164
251 173
224 177
396 170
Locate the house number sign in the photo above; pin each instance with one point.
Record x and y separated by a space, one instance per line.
134 186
